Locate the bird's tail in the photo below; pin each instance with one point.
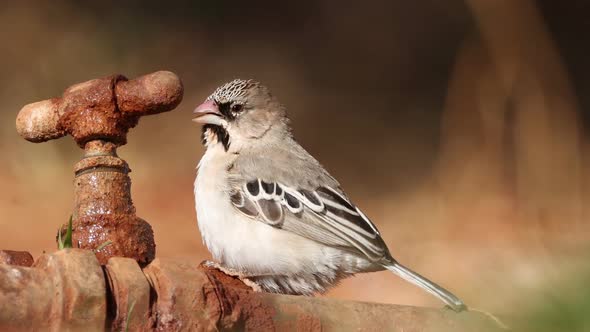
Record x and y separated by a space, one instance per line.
429 286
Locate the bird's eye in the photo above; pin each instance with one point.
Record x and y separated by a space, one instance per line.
237 108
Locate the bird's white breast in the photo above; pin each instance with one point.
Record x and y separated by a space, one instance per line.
237 241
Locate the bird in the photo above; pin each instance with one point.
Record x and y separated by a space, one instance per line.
270 213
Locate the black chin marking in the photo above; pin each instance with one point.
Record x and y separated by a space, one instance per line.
220 133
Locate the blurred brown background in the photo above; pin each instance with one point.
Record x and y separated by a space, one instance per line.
458 126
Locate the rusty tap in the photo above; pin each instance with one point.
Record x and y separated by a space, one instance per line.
98 114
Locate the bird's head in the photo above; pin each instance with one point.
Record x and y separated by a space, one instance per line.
240 111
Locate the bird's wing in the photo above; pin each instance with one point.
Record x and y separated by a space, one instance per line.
324 215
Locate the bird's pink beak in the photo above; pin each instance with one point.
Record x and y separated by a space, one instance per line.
208 113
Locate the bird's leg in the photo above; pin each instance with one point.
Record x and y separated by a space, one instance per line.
243 276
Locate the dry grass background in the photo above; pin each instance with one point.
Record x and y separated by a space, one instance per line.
461 135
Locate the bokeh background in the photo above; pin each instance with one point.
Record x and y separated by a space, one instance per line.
460 128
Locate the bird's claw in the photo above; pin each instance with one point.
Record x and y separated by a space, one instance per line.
252 284
234 273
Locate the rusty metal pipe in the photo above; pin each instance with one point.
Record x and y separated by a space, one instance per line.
207 299
68 290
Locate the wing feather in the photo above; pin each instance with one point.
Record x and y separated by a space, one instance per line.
324 215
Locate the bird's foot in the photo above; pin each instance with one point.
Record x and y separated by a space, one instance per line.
243 276
252 284
227 270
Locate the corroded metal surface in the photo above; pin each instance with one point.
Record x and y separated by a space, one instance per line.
104 210
98 114
103 108
149 94
20 258
89 110
245 310
185 302
60 292
321 314
129 297
241 309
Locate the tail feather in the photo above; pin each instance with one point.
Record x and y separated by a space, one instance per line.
429 286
